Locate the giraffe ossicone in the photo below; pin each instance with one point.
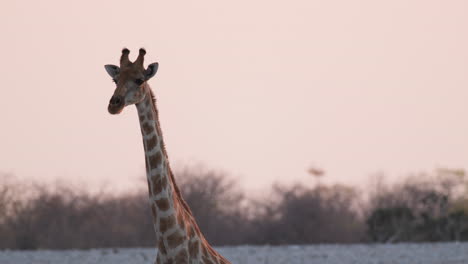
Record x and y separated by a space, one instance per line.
178 237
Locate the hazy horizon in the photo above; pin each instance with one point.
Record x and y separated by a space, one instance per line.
262 90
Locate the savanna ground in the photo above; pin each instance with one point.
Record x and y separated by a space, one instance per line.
423 253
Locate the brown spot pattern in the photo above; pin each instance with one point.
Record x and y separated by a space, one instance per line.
159 183
206 260
181 257
142 118
166 222
194 248
175 239
147 128
155 160
149 115
163 204
151 143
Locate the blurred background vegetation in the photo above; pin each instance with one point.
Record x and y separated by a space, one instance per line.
422 208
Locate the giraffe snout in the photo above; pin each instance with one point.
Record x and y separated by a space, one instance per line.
116 104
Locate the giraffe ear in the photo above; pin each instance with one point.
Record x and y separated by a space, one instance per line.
151 70
112 70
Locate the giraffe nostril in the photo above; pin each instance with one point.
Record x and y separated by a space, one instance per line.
115 100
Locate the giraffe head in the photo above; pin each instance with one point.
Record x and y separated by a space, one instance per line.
130 79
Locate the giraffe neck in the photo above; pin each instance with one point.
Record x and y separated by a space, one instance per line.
178 237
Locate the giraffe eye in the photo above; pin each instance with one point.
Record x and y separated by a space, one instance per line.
139 81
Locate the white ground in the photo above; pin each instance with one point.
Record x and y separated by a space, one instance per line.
440 253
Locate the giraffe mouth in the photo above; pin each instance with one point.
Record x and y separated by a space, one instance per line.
115 110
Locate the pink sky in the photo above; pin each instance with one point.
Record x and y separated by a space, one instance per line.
261 89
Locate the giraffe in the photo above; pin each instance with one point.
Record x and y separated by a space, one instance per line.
178 237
